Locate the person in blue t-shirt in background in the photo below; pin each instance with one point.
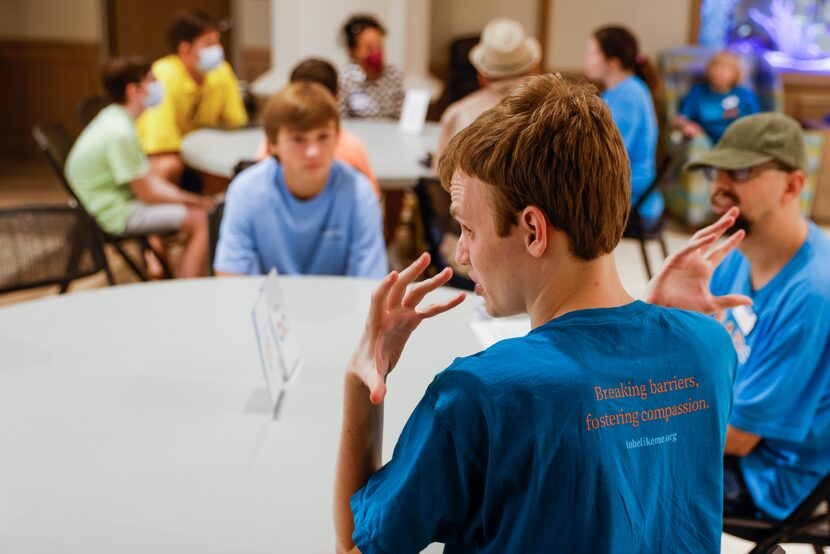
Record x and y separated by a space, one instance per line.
778 441
710 107
602 430
612 58
301 211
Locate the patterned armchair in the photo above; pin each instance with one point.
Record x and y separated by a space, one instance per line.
687 193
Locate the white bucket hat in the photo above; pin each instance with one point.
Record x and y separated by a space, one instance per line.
505 50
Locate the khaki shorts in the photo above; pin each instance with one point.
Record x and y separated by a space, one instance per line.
155 218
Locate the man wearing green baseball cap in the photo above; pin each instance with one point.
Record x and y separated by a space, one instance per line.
773 297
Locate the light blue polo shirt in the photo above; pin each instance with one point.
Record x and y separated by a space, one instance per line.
633 112
600 431
338 232
782 387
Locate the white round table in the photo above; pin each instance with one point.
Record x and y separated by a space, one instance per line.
395 157
136 418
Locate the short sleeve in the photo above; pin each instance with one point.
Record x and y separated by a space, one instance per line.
125 158
236 250
749 101
432 488
780 386
158 129
367 251
689 106
234 113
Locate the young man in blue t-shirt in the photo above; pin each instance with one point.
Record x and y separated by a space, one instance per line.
778 441
300 210
603 429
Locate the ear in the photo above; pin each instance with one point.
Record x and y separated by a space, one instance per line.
273 150
184 49
131 91
535 229
795 184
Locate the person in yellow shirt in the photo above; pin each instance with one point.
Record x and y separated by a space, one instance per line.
200 90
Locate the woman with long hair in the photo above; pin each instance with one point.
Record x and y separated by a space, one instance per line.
613 59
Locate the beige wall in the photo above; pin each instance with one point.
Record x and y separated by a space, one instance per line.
453 18
57 20
658 24
253 26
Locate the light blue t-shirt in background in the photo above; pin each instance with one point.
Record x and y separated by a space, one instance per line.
715 111
782 387
633 111
600 431
338 232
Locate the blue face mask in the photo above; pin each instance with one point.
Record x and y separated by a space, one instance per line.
155 94
210 58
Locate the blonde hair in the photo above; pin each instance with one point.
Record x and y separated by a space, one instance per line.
551 144
300 106
727 58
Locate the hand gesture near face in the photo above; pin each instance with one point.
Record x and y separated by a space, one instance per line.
393 316
683 281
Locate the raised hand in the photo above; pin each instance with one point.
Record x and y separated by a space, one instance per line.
683 281
393 315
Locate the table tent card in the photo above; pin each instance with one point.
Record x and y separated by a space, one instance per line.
414 112
277 346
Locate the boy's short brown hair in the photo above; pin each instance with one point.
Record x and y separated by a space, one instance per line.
117 73
550 144
187 26
300 106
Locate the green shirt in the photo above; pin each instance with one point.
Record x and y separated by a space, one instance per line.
102 163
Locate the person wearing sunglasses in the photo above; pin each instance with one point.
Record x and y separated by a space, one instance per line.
776 445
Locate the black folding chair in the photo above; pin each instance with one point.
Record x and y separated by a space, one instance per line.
89 107
214 223
808 524
637 228
434 207
48 245
55 143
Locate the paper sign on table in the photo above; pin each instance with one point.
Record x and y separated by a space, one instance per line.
414 112
277 347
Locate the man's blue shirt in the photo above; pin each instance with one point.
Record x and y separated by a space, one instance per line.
337 232
782 387
633 111
714 111
600 431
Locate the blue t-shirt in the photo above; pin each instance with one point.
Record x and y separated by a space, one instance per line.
714 111
338 232
782 387
633 112
600 431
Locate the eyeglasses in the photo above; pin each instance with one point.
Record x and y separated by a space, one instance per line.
743 174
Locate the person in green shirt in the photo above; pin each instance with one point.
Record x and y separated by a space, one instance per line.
111 176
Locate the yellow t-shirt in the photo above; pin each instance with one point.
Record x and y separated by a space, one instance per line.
188 106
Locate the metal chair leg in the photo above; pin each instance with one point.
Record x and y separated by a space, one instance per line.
645 259
663 247
130 262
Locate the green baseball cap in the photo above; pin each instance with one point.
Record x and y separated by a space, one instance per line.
755 139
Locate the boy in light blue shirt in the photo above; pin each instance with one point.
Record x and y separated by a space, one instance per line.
301 211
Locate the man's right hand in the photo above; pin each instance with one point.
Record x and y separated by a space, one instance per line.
393 316
683 281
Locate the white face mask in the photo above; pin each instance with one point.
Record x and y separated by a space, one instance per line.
210 58
155 94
